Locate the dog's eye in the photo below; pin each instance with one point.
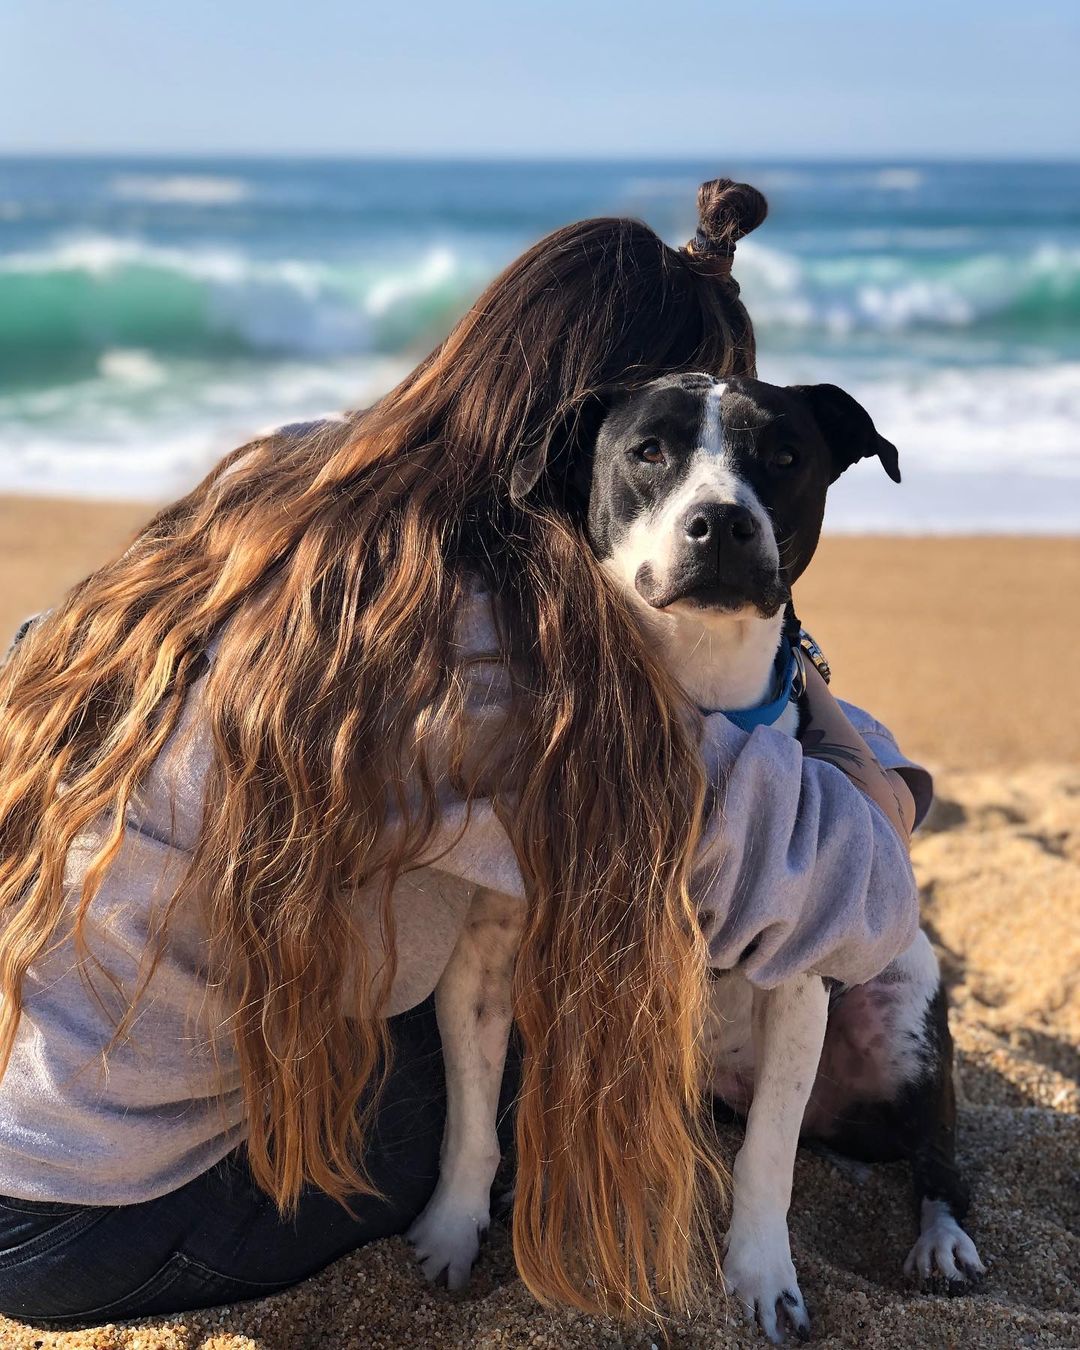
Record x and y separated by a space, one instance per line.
650 453
783 459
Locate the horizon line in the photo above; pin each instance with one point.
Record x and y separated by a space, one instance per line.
550 157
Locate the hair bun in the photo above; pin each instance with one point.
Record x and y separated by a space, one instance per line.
726 211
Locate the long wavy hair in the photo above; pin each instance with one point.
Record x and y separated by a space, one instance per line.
341 563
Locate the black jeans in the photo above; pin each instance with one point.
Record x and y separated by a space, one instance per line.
219 1239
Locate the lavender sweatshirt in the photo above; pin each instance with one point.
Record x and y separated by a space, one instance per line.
798 871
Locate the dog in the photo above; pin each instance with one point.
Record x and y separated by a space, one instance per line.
705 498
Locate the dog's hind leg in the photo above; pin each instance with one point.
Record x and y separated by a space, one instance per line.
789 1027
473 1005
885 1091
942 1248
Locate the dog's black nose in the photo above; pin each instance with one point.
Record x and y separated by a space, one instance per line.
716 522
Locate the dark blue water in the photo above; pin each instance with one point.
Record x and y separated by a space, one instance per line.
152 313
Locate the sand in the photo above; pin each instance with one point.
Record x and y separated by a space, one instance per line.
962 646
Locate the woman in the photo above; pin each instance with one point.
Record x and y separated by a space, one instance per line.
255 768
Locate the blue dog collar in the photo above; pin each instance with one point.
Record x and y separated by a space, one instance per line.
787 672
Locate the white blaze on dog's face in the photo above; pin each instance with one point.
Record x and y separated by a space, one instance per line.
707 495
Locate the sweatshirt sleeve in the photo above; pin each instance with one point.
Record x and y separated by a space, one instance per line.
799 871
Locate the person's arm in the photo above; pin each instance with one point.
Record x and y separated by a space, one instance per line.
829 735
802 871
798 869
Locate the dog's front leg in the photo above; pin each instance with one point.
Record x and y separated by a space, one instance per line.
473 1005
789 1027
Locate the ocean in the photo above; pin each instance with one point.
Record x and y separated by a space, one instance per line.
153 314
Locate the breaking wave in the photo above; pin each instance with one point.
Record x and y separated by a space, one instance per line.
84 297
888 293
180 189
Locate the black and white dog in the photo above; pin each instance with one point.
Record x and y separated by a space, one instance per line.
696 487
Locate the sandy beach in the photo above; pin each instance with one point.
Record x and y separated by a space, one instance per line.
963 646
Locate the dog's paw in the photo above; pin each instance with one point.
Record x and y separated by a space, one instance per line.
943 1250
446 1238
760 1276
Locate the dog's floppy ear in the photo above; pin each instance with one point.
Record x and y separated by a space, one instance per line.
527 471
566 456
848 430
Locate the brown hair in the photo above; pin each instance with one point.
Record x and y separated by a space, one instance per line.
343 561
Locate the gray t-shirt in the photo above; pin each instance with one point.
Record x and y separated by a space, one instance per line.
798 871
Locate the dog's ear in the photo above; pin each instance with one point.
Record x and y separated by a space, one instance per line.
848 430
565 459
527 471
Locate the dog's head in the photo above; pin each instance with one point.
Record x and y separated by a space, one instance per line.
709 494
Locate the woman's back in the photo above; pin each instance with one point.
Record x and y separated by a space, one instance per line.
89 1122
164 1103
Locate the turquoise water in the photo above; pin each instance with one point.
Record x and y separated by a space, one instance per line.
154 313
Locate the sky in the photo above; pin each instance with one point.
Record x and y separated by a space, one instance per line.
558 78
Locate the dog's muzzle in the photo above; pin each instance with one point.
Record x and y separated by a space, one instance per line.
721 562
